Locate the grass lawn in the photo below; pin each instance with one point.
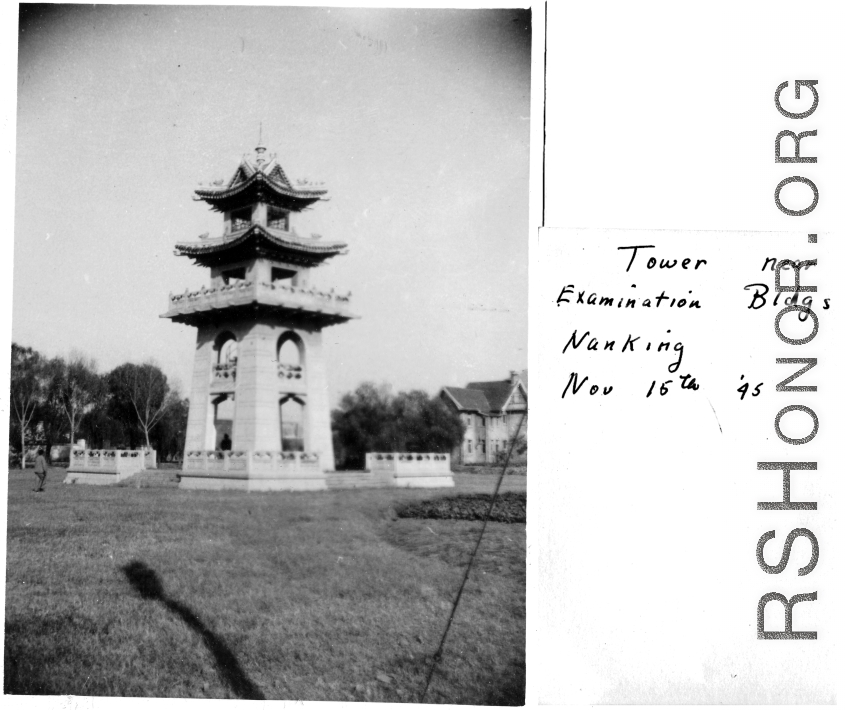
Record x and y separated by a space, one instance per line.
300 596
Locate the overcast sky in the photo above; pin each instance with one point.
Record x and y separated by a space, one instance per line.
416 120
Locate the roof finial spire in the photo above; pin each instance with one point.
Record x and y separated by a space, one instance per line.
260 149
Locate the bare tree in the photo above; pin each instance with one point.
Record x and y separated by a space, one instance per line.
143 390
27 391
73 388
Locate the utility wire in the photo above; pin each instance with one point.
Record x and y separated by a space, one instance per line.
437 656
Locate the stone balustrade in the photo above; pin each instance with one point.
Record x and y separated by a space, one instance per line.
107 466
107 459
289 372
203 292
250 464
327 296
224 372
272 294
299 293
413 470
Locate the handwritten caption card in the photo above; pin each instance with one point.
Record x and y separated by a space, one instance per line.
685 481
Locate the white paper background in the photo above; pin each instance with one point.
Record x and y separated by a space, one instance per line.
660 116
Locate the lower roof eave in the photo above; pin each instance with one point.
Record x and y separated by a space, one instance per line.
300 316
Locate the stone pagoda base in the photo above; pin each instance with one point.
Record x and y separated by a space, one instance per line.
252 471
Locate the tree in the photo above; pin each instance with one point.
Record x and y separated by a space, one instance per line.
371 419
51 419
100 428
120 408
363 423
170 431
142 390
27 392
427 424
73 389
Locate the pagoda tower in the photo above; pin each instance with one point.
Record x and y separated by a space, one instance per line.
259 407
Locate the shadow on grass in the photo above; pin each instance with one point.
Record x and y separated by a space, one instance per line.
33 647
512 689
147 583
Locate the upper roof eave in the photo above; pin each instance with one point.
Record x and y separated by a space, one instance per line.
218 244
216 194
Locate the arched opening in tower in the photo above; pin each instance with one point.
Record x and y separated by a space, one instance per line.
290 357
292 422
228 352
224 413
226 348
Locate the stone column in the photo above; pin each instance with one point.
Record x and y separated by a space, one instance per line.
318 429
256 425
199 403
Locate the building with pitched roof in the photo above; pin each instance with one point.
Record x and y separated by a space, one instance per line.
259 411
493 412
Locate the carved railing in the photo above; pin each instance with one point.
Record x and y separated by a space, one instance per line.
289 372
401 464
328 296
215 460
244 464
284 459
272 293
189 296
224 372
108 460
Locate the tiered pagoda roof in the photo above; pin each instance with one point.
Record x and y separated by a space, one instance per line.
259 181
259 241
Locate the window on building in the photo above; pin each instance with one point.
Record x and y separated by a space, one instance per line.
470 447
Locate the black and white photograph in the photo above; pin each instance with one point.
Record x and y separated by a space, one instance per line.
268 405
277 280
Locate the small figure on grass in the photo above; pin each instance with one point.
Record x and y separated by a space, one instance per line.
40 470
